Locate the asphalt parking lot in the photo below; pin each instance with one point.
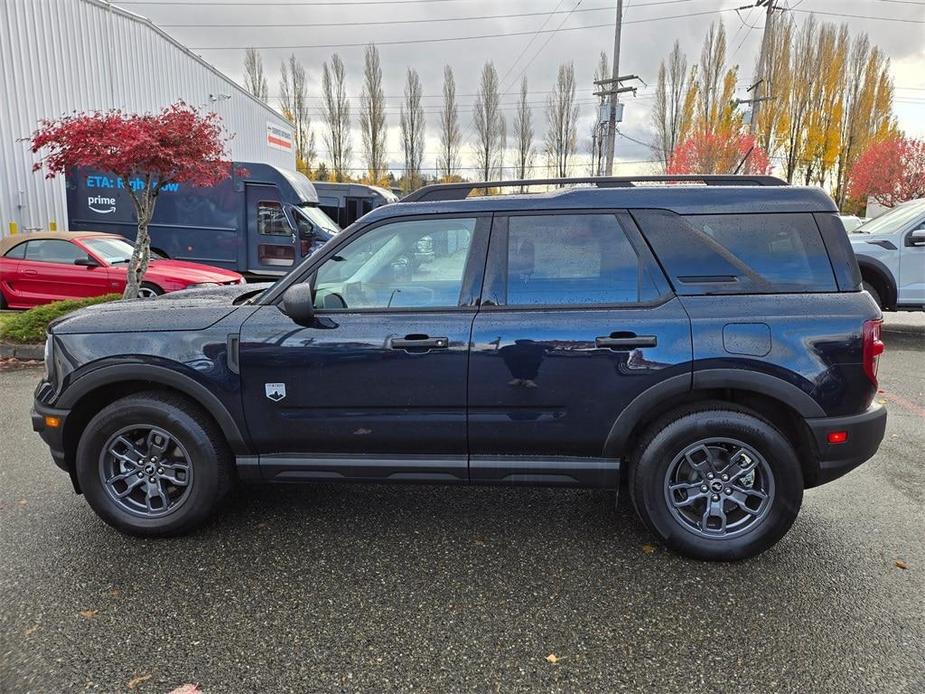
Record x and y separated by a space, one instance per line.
414 588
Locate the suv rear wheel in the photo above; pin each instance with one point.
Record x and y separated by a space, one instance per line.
716 482
153 464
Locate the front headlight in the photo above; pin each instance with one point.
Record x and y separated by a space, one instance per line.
49 356
202 284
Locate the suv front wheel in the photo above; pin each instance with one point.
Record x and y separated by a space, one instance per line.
153 464
716 482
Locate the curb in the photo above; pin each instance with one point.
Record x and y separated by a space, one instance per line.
9 350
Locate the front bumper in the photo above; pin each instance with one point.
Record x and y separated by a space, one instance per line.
864 434
53 436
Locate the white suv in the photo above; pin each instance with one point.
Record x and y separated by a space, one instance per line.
891 252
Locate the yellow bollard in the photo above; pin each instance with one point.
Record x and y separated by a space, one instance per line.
52 225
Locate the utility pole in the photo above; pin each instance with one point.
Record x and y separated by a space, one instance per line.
614 99
760 78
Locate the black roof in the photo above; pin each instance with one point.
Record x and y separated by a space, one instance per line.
681 199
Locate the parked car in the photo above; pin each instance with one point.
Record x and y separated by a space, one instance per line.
50 266
851 222
347 202
891 254
710 345
261 221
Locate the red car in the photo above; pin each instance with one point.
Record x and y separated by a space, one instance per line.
50 266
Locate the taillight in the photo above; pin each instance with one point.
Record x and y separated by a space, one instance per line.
873 348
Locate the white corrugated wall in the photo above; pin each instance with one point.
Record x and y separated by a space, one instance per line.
60 56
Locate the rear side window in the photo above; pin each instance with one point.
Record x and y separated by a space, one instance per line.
559 259
18 251
739 253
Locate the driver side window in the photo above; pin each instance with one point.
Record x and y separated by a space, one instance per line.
410 264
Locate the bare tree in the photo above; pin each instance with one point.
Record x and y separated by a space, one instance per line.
255 81
336 114
412 131
490 127
450 135
598 139
673 111
561 121
294 105
523 135
372 116
712 64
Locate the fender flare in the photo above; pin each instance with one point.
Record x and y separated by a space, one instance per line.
707 379
160 375
865 262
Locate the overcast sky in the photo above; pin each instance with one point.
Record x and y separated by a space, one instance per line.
303 26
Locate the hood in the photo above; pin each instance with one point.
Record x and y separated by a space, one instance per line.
190 309
191 273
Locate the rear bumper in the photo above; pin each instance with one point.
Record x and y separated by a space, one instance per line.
864 434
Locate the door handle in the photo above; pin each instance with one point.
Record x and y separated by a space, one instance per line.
419 342
30 272
625 341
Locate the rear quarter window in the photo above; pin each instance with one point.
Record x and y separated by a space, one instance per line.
739 253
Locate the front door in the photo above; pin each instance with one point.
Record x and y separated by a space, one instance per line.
576 321
375 388
272 247
48 273
911 280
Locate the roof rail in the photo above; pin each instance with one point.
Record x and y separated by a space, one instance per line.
460 191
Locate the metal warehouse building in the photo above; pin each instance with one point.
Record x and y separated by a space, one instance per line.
60 56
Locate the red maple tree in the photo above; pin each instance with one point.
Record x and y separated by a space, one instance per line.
146 152
890 171
719 153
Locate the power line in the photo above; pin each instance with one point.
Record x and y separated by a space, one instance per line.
250 3
460 38
384 22
541 49
861 16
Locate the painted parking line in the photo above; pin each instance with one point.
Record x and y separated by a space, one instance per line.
908 405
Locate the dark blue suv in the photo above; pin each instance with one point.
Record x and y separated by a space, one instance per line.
705 341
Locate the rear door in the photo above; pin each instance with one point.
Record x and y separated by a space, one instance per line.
48 273
576 321
270 236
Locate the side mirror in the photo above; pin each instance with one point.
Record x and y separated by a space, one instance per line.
299 304
306 229
87 262
917 238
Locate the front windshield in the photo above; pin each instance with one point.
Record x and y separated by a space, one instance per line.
895 219
111 250
317 217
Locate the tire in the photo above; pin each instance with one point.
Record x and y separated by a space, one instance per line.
134 425
147 290
3 304
870 289
668 492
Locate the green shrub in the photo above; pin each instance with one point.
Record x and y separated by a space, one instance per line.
29 327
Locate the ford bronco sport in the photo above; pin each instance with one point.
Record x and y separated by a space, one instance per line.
706 341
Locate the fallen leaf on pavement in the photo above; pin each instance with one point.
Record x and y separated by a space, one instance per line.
89 614
649 549
135 681
900 564
187 689
22 502
553 658
31 630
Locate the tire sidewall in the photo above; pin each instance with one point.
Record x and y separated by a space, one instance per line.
205 489
654 461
